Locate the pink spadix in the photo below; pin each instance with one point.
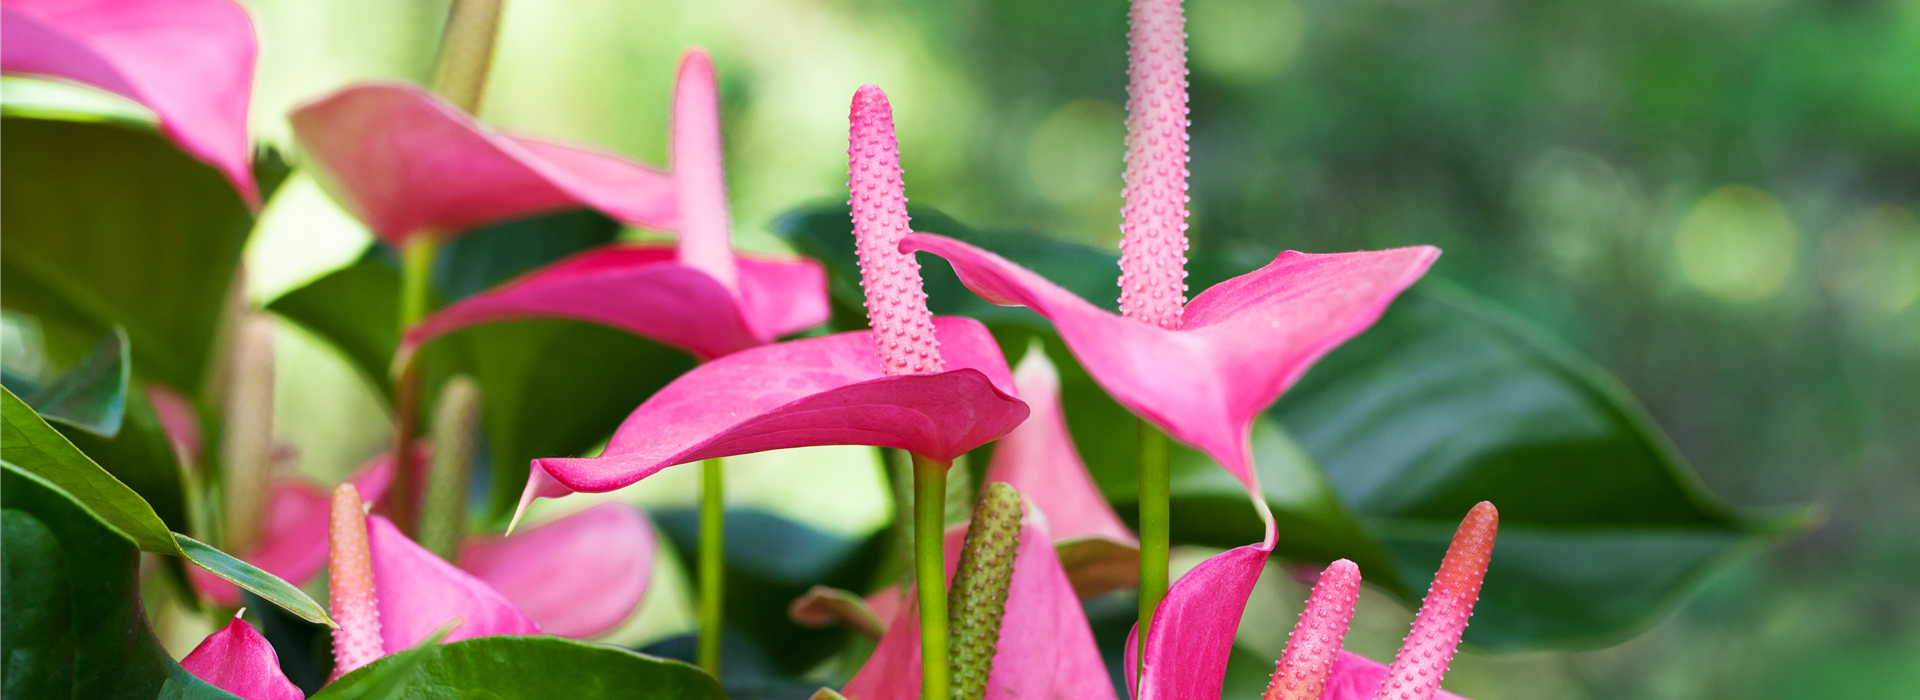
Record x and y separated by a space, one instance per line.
356 641
1153 243
896 302
1423 659
1302 671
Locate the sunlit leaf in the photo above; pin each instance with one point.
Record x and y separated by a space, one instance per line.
533 668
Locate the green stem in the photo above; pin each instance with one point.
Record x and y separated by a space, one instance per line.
930 573
416 272
1154 517
713 550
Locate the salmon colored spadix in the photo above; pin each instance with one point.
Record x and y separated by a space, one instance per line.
1153 243
1192 631
190 61
937 387
294 544
699 295
353 602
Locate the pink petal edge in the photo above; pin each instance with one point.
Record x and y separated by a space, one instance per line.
406 162
190 61
418 592
648 291
828 390
577 576
700 173
238 660
1243 342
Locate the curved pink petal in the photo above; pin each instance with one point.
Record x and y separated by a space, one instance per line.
418 592
829 390
645 290
700 173
1356 677
1242 342
1192 631
406 162
238 660
577 576
294 546
190 61
1046 649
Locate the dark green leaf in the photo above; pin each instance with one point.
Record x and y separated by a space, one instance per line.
1448 402
36 447
268 586
66 566
386 682
357 308
91 395
109 224
534 668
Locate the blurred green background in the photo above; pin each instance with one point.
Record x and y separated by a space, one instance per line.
1714 199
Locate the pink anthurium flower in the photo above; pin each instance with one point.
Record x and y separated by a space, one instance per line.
935 387
1038 458
408 163
1046 649
238 660
699 295
190 61
577 576
1192 631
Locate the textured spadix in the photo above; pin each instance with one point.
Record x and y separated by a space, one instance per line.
896 304
1302 671
1428 649
190 61
238 660
1153 243
294 542
350 584
406 162
977 603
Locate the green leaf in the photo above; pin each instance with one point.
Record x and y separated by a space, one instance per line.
73 621
1449 401
268 586
357 308
535 668
91 395
108 224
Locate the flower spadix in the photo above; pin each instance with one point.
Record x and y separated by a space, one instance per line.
190 61
1022 613
1192 632
937 387
699 295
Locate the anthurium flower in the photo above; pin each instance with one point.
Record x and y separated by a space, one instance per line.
1192 631
1045 649
1038 458
190 61
293 545
408 163
935 387
238 660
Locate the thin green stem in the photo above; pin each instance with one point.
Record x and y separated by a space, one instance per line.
930 573
713 550
416 272
1154 517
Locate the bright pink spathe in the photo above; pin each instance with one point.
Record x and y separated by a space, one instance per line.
578 576
699 173
419 593
190 61
408 163
896 304
1240 345
1046 649
238 660
1153 242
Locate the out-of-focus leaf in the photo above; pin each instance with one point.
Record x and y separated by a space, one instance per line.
1448 402
107 224
385 683
533 668
770 562
74 625
552 388
268 586
91 395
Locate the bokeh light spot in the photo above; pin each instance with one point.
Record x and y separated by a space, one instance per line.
1076 157
1243 40
1737 244
1873 263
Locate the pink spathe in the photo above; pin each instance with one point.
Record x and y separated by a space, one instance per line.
829 390
1046 650
1153 242
699 172
649 291
190 61
577 576
896 304
238 660
420 592
406 162
1241 344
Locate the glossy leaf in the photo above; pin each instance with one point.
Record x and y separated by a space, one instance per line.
117 227
137 451
533 668
357 309
91 395
268 586
73 621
